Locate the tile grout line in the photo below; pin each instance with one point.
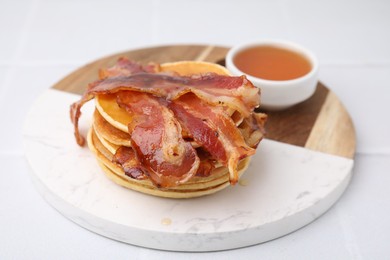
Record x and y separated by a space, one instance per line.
356 64
361 153
41 63
327 64
11 73
14 153
378 152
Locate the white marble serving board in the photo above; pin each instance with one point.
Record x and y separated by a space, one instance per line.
284 188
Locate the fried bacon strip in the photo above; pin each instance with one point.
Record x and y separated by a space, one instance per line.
206 165
157 141
123 67
126 67
234 92
252 129
132 167
214 129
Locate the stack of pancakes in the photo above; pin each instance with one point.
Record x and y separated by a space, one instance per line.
109 132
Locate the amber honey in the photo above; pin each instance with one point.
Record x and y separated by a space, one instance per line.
272 63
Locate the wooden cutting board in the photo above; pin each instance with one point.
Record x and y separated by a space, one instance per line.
320 123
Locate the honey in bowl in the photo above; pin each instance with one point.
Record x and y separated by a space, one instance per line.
272 63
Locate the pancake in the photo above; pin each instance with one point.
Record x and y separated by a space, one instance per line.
109 131
185 68
195 187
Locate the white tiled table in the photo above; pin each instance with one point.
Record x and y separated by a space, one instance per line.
42 41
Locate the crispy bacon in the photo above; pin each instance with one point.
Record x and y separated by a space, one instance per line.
123 67
206 164
205 168
75 113
252 128
157 141
127 159
235 92
214 129
126 67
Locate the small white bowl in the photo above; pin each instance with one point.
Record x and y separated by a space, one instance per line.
279 94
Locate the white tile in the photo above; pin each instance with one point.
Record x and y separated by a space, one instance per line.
363 210
79 32
12 22
347 31
17 98
3 73
365 92
222 22
86 30
342 31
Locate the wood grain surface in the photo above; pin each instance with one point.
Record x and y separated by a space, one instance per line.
320 123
